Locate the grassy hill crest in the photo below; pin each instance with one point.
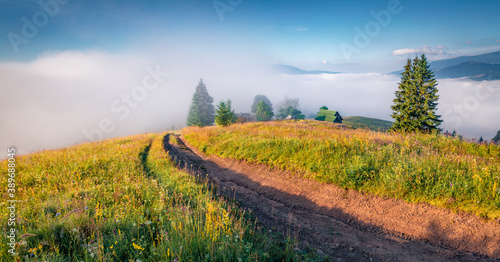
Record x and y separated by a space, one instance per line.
367 123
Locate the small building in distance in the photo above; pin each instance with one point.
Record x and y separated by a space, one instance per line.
329 116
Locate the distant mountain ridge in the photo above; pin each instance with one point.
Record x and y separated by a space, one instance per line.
478 68
490 58
291 70
472 70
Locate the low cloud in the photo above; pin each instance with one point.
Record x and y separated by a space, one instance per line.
53 100
470 107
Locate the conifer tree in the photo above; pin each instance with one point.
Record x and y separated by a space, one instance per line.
201 111
224 114
415 104
401 106
496 139
257 99
264 112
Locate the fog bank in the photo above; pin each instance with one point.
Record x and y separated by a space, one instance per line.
66 98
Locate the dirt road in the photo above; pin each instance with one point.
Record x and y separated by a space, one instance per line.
343 224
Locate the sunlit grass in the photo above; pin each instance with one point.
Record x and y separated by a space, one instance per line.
123 200
435 169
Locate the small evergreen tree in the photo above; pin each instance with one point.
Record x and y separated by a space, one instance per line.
416 99
257 99
224 114
201 111
496 139
264 112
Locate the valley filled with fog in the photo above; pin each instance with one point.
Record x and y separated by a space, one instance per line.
66 98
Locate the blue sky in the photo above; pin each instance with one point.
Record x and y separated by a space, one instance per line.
308 34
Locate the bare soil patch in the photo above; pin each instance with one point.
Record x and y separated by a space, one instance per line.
343 224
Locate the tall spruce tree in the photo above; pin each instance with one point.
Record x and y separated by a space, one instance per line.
416 99
201 111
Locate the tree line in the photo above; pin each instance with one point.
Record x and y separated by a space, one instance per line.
202 112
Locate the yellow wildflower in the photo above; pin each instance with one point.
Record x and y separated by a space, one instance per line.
137 246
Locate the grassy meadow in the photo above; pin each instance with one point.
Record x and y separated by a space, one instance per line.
435 169
123 200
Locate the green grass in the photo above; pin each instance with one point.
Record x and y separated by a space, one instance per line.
123 200
367 123
415 167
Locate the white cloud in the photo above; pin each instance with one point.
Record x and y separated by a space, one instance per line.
301 29
428 50
404 51
325 62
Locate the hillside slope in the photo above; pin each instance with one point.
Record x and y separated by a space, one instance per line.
123 200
